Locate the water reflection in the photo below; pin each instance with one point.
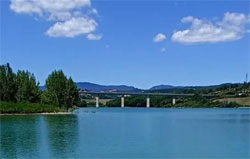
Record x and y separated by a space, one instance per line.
38 136
128 133
62 135
18 136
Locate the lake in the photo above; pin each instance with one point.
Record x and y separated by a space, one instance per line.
128 133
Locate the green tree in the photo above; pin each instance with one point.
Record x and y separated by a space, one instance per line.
60 90
56 85
8 87
82 103
49 98
72 96
28 88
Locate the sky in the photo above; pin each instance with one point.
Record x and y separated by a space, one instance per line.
141 43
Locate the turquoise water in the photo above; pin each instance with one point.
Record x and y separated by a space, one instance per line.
128 133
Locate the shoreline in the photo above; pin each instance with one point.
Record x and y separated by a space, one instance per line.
45 113
71 112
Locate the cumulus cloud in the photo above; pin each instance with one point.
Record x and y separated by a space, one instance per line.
159 37
94 37
72 27
187 19
94 11
233 26
51 9
70 16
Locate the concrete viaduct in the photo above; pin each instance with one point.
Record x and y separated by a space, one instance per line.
123 94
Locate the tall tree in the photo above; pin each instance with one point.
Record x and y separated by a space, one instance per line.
60 90
49 98
28 88
8 87
56 85
72 96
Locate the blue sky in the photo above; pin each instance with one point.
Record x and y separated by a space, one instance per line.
139 43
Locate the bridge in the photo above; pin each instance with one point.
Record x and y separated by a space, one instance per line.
147 94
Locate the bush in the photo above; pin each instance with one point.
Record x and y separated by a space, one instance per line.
82 104
9 107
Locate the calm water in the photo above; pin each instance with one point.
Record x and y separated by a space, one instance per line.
128 133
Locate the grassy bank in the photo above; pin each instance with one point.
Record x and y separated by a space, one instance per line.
11 108
196 101
245 101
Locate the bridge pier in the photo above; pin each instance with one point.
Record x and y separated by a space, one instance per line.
122 102
148 102
173 101
97 102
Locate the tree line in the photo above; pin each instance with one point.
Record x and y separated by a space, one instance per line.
196 101
22 87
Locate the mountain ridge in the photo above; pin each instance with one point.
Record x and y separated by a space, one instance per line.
97 87
88 86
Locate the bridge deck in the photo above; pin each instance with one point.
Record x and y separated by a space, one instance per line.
145 94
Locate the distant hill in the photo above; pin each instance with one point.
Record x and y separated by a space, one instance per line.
162 86
171 89
97 88
192 89
158 88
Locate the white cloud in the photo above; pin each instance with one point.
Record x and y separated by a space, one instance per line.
72 27
94 11
159 37
187 19
49 8
70 16
25 6
94 37
231 27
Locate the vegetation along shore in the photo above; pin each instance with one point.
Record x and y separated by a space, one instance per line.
20 93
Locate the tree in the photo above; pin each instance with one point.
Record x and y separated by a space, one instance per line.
60 90
49 98
56 85
8 87
72 96
28 88
82 103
